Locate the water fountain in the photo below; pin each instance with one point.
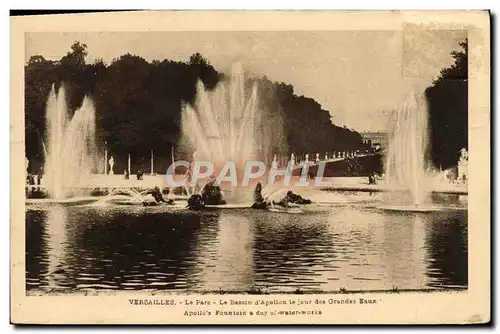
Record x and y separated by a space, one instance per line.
407 182
222 123
406 164
70 145
228 124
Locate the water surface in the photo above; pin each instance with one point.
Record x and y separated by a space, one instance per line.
325 248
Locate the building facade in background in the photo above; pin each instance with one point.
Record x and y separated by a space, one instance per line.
377 140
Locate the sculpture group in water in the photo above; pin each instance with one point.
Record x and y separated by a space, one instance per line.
157 198
289 198
211 194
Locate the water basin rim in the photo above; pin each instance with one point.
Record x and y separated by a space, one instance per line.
419 209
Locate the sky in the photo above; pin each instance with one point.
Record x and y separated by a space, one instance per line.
358 76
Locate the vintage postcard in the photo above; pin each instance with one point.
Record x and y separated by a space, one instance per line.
251 167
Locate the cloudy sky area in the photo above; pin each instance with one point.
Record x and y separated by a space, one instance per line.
359 76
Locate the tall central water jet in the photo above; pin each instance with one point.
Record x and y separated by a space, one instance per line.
229 124
222 124
70 148
406 156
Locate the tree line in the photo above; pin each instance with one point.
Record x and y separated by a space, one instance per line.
448 110
139 103
138 107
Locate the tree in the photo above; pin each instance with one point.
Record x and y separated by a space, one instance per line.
459 69
198 59
448 111
76 57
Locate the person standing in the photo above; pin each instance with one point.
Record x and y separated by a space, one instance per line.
39 176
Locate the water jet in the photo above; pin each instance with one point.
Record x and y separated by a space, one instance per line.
70 148
406 167
228 125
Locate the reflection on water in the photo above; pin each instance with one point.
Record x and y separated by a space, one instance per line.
324 249
223 259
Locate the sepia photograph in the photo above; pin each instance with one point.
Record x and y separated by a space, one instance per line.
248 173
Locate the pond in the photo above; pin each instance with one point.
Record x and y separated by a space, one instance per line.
324 248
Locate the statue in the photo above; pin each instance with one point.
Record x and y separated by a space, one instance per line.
462 165
195 202
274 164
307 159
211 193
326 156
463 154
317 158
26 173
289 198
158 198
292 161
258 200
191 164
111 164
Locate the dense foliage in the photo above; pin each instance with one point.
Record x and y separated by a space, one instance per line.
448 111
138 106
